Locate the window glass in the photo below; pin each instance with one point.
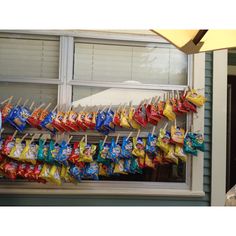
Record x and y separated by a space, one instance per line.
148 64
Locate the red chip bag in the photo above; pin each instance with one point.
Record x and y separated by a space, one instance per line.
140 116
8 144
80 120
160 108
6 110
37 170
71 121
152 115
29 172
21 169
90 120
74 157
10 170
188 105
34 118
57 122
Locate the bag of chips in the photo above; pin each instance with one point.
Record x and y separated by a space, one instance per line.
127 147
47 122
179 152
134 166
108 122
119 167
195 98
90 120
21 170
131 121
140 115
33 119
81 120
197 141
168 111
57 122
152 114
63 153
16 151
177 134
171 155
117 118
44 174
29 153
139 147
5 111
124 119
10 169
149 162
102 169
8 144
91 171
103 153
127 165
71 121
101 116
114 152
151 146
75 154
54 175
51 153
76 172
160 108
163 141
87 151
42 150
188 146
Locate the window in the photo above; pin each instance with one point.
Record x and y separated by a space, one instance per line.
117 72
97 71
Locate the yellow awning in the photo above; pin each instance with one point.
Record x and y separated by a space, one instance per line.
194 41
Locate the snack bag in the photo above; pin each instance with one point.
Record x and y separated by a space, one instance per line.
195 98
102 169
189 106
152 114
188 146
197 141
117 118
101 116
115 151
76 172
127 165
103 153
108 122
120 167
151 146
168 111
158 159
181 107
51 152
65 121
29 154
134 166
63 153
81 120
160 108
29 172
127 148
5 111
139 147
171 155
179 152
54 175
87 152
131 121
90 120
47 122
91 171
65 175
124 119
10 169
149 162
21 170
42 150
16 151
177 134
163 141
57 122
44 174
33 119
140 116
8 144
75 155
71 121
37 170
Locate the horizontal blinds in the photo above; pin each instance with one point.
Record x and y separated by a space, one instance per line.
119 63
34 92
29 58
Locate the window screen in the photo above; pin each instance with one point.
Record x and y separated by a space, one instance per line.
147 63
29 58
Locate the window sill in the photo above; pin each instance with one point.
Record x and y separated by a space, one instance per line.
95 188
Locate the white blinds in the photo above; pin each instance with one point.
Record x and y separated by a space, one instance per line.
34 92
161 64
29 58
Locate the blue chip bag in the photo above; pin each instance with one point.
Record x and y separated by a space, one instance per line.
91 171
108 122
197 141
76 172
100 119
18 117
115 151
127 165
47 122
62 155
134 166
151 146
188 146
127 148
49 158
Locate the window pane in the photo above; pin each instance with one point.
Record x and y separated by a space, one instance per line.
149 64
29 58
34 92
90 96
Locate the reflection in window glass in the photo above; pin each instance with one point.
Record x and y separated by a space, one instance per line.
158 64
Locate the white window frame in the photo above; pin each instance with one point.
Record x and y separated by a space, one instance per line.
196 71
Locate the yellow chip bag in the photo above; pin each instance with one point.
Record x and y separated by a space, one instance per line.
54 175
179 152
139 147
87 152
163 141
102 171
44 174
16 151
29 154
168 111
119 167
124 119
171 155
177 134
149 162
132 122
195 98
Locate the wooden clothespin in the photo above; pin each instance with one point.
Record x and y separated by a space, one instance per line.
86 139
46 108
153 130
6 100
22 139
175 123
26 101
109 107
69 139
186 132
117 138
165 126
104 140
54 109
83 138
19 101
14 134
129 135
138 134
31 106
